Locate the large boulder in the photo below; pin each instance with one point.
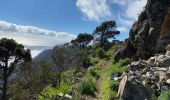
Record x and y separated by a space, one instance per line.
151 32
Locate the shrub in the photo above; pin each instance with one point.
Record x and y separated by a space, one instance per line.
101 53
94 72
164 95
49 92
79 74
88 86
87 62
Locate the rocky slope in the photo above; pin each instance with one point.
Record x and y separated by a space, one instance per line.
145 78
150 33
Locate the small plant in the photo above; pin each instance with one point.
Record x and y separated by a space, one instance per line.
79 74
94 72
88 86
164 95
101 53
49 93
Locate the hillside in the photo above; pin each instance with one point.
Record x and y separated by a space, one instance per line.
44 55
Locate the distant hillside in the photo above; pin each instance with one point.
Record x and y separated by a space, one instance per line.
44 55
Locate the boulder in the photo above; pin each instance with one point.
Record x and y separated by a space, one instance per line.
163 61
168 47
131 90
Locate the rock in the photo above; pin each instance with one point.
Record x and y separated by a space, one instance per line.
167 53
160 69
151 60
162 76
64 97
122 86
167 47
133 91
150 33
163 60
168 81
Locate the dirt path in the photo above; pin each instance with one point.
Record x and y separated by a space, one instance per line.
105 67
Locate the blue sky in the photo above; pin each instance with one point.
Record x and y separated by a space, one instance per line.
51 22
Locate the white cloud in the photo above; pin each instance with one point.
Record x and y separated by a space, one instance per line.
135 7
33 36
122 29
94 9
14 28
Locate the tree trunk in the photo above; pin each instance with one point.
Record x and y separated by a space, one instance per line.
5 84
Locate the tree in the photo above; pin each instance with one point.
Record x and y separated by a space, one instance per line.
82 40
107 30
62 58
11 54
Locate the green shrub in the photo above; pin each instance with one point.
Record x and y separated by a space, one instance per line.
164 95
49 92
79 74
88 86
101 53
94 72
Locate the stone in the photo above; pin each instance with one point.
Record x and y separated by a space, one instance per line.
163 60
167 53
122 86
133 91
151 60
167 47
168 81
63 96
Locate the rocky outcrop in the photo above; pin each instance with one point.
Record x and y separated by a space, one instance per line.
145 78
151 32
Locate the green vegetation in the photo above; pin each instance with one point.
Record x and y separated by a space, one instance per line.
79 69
49 93
164 95
110 87
88 85
101 53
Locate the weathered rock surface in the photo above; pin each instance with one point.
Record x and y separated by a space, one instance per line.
145 78
150 33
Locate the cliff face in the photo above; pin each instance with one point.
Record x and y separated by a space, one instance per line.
151 32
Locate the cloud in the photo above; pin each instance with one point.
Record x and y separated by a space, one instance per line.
135 7
14 28
30 35
122 29
94 10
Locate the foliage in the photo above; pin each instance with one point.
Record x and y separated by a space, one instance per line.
11 54
113 50
94 71
78 74
101 53
110 87
107 30
31 80
119 66
164 95
49 93
88 85
82 40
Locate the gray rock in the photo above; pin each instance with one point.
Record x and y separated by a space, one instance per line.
168 81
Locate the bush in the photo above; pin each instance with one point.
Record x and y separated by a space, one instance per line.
101 53
49 92
164 95
87 62
94 72
119 67
78 74
88 86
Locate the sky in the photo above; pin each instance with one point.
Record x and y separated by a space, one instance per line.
42 24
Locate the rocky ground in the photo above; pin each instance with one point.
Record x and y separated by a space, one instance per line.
145 78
